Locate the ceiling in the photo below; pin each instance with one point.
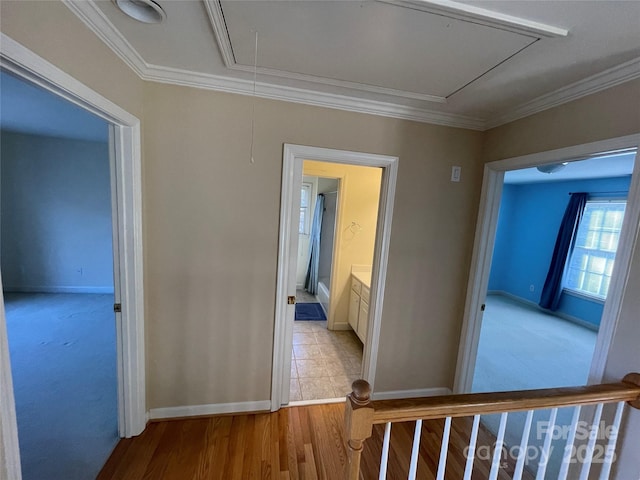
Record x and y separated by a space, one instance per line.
603 166
26 108
465 64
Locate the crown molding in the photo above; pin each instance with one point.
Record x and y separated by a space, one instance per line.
611 77
270 91
482 16
219 25
339 83
99 24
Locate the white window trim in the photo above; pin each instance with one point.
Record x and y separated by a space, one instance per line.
583 293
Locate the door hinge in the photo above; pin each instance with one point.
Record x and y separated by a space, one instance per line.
482 307
117 307
291 300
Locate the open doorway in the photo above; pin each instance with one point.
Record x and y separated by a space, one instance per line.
518 330
334 277
124 170
544 307
349 258
58 281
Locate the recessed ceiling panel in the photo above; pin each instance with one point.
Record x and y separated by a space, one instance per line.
367 43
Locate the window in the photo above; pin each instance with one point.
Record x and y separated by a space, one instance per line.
591 263
305 207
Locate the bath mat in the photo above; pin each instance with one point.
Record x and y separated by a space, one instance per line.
309 311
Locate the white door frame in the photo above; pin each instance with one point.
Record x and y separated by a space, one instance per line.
486 228
127 182
293 159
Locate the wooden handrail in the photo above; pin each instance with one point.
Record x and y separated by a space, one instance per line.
361 413
497 402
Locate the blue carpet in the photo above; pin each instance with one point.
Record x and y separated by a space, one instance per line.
63 360
309 311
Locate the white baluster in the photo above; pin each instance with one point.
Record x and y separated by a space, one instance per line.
611 445
497 453
444 447
413 467
524 443
546 448
471 454
568 448
588 456
385 451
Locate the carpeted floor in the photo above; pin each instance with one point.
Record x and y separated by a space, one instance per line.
523 348
63 359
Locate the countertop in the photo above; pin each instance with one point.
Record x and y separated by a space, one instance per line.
363 277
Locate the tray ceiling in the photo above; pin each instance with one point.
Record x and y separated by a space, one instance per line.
471 64
410 53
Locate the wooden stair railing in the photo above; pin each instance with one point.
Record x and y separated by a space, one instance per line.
361 414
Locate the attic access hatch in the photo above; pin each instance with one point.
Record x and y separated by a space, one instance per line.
366 45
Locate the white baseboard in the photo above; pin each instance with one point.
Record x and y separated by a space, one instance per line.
304 403
562 315
421 392
48 289
210 409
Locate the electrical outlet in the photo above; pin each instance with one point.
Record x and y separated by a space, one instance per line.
531 288
455 173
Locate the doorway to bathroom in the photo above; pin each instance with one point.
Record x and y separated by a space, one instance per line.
337 232
318 359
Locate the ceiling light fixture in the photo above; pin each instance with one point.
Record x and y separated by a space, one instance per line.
552 167
145 11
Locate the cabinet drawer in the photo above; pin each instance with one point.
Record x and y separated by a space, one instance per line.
356 285
365 294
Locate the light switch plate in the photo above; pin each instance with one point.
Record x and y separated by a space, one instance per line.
455 173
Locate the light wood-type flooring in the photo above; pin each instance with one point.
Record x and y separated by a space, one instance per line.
294 443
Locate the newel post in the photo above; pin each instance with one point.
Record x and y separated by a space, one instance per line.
633 379
358 418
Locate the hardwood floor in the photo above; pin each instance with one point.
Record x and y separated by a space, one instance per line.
294 443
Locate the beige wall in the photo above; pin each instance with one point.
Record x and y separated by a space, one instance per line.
358 202
211 222
608 114
211 219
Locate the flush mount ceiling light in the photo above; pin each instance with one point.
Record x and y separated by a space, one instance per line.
145 11
552 167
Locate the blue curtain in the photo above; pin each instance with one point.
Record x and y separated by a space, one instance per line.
311 281
550 298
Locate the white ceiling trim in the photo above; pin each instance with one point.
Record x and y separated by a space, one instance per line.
339 83
98 23
216 17
611 77
176 76
482 16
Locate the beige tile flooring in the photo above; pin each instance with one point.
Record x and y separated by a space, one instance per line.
324 363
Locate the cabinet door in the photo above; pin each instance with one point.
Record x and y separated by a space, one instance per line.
363 321
354 309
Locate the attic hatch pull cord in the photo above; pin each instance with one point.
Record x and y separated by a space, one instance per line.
253 102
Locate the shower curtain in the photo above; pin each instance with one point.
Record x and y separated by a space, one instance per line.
311 280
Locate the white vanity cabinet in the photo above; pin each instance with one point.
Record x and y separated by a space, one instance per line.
359 308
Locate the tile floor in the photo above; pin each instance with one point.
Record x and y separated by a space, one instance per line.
324 363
